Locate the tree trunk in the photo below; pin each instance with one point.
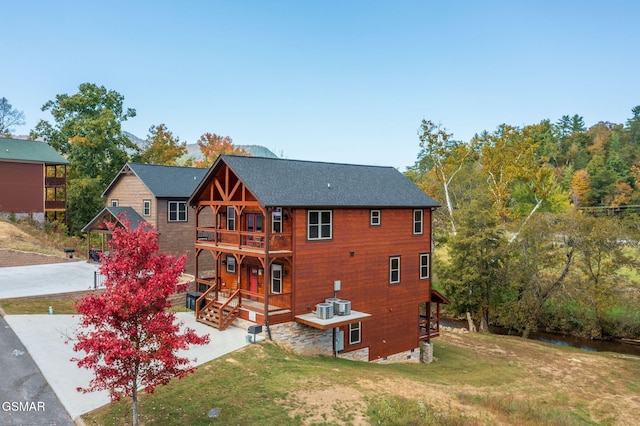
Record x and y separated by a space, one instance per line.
472 326
484 321
135 406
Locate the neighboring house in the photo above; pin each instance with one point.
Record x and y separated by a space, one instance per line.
158 195
276 238
33 180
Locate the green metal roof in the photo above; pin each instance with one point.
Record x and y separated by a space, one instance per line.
25 151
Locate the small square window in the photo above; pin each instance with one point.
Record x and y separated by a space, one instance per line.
319 224
114 203
375 218
177 211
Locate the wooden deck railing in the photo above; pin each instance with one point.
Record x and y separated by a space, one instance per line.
221 237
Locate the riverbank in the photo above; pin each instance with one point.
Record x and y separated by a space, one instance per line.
590 345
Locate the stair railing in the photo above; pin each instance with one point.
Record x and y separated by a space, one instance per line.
204 297
229 310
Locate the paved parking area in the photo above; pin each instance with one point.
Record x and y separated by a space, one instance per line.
35 280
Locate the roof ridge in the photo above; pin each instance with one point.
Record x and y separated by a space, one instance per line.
306 161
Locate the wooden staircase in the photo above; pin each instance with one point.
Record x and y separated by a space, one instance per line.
217 313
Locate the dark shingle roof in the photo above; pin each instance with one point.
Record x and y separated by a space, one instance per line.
166 181
293 183
111 213
20 150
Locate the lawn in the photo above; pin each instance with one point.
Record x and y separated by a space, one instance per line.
475 380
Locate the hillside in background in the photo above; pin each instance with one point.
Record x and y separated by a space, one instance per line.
193 150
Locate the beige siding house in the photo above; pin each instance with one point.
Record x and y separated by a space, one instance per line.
157 195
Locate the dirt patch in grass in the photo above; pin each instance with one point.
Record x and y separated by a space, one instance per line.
324 404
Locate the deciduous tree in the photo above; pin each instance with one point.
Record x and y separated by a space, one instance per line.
213 145
129 337
474 275
444 157
87 130
161 147
9 117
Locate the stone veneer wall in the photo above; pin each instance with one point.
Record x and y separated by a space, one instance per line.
303 339
412 355
426 355
357 355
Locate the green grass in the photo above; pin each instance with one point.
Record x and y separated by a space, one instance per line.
20 306
262 384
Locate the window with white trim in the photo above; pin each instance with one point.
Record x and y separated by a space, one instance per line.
276 220
146 207
375 218
231 264
355 333
114 203
177 211
319 224
417 222
394 269
276 278
231 218
424 266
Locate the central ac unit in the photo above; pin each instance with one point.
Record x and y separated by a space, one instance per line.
324 310
343 307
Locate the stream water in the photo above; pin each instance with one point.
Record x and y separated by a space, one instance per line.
562 340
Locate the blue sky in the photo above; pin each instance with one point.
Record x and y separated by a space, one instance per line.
339 81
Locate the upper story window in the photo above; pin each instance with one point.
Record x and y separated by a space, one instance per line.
231 218
319 225
114 203
394 269
417 222
276 278
375 218
146 207
276 220
177 211
355 333
424 266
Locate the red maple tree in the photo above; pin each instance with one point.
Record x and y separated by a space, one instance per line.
129 337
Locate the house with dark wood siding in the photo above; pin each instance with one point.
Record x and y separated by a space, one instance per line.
33 180
156 194
324 258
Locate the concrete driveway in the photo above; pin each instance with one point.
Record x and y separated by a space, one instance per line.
35 280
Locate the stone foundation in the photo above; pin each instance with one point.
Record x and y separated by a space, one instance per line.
302 339
357 355
412 355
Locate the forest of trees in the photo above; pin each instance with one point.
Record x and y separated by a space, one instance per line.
539 226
